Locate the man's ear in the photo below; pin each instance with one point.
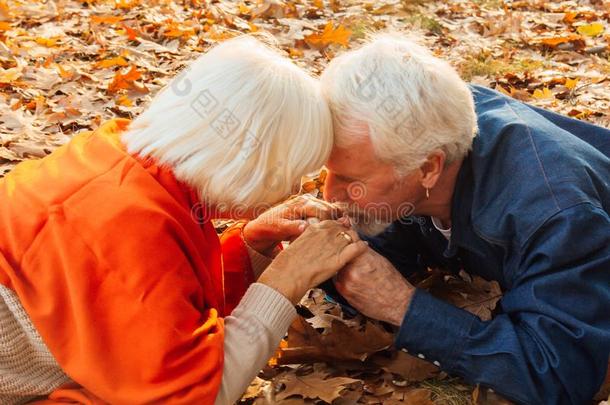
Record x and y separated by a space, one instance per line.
432 168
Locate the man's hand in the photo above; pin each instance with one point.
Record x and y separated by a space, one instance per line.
374 287
286 222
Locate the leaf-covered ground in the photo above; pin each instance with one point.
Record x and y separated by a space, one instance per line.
66 66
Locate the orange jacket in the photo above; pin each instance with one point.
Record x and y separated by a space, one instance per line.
125 287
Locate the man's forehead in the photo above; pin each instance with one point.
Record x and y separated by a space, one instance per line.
354 161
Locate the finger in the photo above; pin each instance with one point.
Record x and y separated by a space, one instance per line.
345 221
352 251
290 229
314 208
309 205
332 224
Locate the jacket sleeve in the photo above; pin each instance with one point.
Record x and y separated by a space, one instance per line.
552 341
122 311
237 269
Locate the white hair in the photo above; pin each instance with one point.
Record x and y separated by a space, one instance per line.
241 125
410 101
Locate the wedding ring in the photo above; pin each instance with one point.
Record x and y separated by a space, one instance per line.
347 237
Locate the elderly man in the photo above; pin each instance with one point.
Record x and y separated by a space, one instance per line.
439 173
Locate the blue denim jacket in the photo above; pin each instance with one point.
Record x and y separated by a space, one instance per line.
530 210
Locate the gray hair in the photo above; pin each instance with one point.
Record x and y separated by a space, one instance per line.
410 101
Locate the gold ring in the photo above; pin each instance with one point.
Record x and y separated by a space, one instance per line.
347 237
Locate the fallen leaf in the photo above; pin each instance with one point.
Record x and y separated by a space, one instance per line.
48 42
409 367
106 19
313 386
112 62
562 39
330 35
591 30
543 94
126 81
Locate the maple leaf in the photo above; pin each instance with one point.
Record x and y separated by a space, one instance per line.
132 34
330 35
571 83
126 81
543 94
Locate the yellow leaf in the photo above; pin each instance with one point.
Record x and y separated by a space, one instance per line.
571 83
243 9
106 63
295 53
106 19
319 4
330 35
5 10
124 101
591 30
65 74
4 26
126 4
253 27
9 75
48 42
543 94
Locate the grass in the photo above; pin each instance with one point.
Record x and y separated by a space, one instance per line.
448 392
484 64
489 3
425 22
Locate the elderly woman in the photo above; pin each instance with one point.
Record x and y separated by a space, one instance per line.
114 286
478 181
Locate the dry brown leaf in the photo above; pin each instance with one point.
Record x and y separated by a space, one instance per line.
419 396
313 386
409 367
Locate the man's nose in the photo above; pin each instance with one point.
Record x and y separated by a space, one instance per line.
333 192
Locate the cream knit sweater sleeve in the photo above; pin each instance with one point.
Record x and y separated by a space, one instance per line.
252 334
27 368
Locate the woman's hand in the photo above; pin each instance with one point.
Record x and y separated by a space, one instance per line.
314 257
286 221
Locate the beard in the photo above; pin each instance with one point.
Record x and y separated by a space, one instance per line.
365 222
369 227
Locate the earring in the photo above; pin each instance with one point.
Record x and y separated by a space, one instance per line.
427 193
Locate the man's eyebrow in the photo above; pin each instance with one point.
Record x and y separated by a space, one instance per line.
345 178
